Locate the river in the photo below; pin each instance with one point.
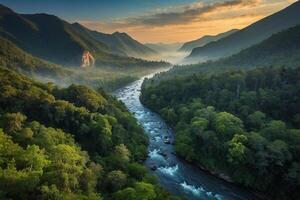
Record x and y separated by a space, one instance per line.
174 174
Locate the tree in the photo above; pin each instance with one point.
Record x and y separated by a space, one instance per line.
144 191
90 177
278 152
227 125
199 124
256 120
237 149
169 114
13 122
275 129
122 152
66 167
137 171
116 180
126 194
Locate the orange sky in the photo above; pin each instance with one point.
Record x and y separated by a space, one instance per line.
189 22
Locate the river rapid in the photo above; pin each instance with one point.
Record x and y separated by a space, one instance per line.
174 174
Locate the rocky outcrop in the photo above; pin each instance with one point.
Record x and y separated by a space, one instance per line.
87 59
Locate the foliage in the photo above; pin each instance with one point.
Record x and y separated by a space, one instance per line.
244 124
72 143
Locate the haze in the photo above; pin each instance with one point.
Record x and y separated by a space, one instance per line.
154 21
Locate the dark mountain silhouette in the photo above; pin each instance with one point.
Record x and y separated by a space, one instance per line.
53 39
119 43
282 48
189 46
248 36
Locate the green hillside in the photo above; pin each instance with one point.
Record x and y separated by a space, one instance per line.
241 124
108 78
14 58
72 143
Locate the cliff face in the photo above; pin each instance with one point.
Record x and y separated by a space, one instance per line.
87 59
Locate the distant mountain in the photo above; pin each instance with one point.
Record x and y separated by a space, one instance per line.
248 36
119 43
282 48
163 47
55 40
189 46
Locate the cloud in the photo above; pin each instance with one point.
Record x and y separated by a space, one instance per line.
191 20
181 14
189 13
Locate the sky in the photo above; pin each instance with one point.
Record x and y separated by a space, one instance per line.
154 21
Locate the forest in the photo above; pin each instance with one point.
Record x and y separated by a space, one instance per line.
71 143
240 124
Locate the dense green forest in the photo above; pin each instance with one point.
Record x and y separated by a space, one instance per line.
244 124
72 143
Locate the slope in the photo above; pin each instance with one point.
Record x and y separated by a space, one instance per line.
16 59
119 43
46 36
248 36
282 48
189 46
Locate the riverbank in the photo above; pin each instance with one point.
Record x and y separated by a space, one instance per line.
222 176
175 175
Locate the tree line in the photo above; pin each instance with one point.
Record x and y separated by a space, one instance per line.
244 124
71 143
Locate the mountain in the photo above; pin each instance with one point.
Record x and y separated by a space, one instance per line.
282 48
55 40
189 46
47 37
119 43
248 36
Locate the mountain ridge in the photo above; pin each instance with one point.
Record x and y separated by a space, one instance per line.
54 39
189 46
252 34
118 42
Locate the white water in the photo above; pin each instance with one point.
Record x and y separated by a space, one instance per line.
174 174
169 170
192 188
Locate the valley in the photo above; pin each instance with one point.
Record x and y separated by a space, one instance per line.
174 174
160 100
